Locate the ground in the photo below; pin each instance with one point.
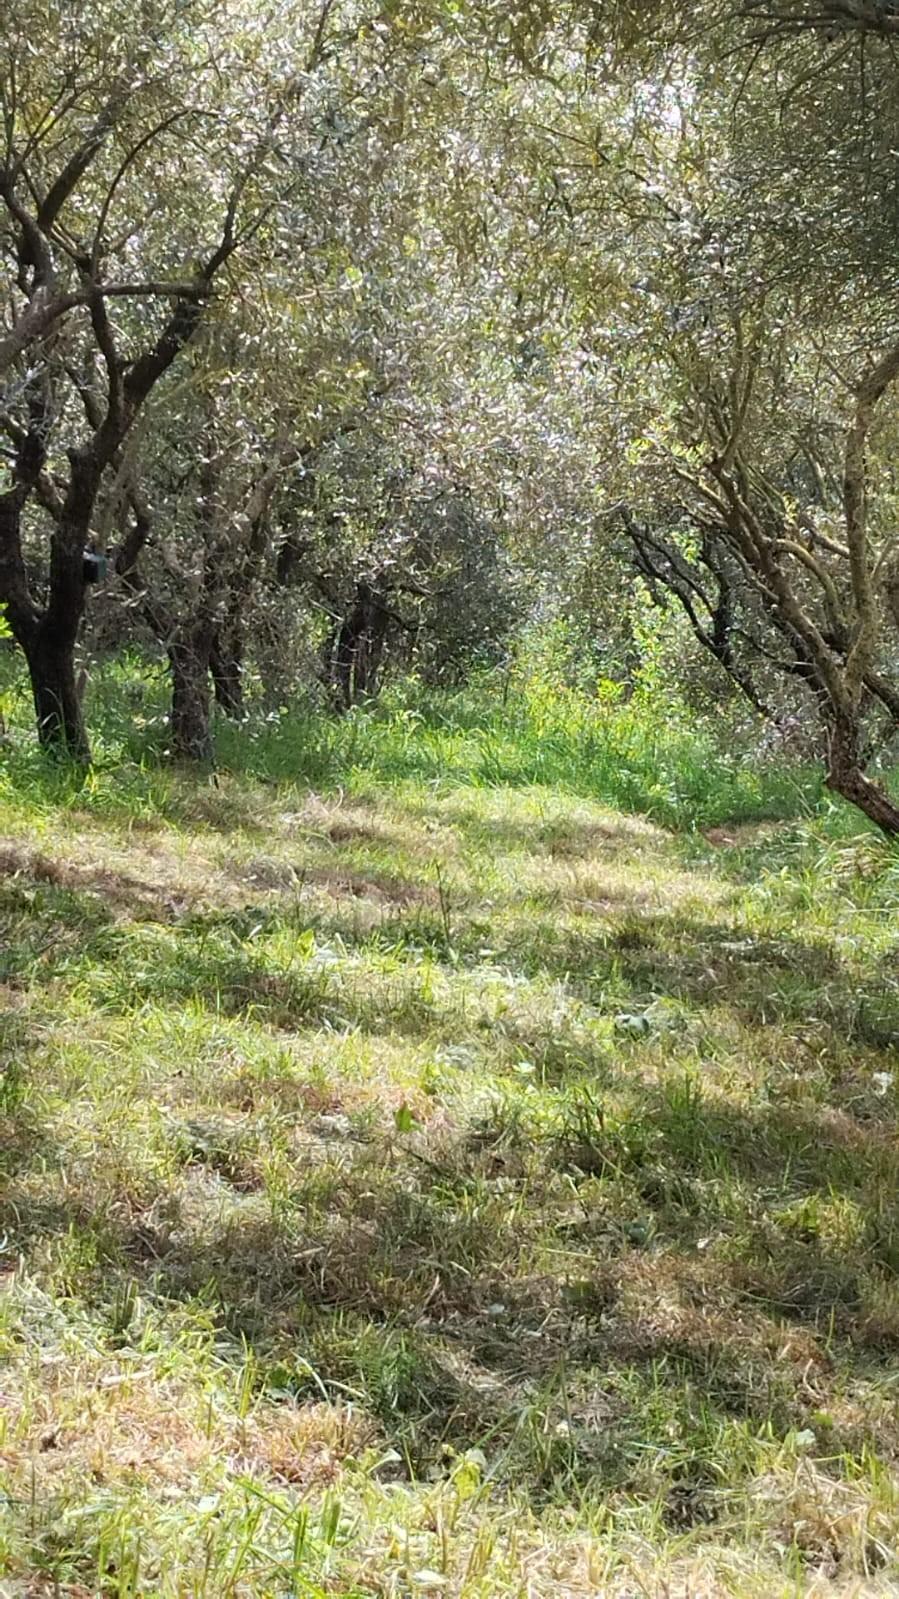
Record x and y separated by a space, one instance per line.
443 1188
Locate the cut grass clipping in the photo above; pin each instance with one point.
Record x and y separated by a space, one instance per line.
441 1187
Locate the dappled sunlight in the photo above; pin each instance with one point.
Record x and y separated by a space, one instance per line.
449 800
529 1197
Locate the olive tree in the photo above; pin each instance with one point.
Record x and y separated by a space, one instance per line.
128 190
725 212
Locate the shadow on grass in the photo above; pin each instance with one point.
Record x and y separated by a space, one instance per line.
57 921
785 981
559 836
559 1294
701 1259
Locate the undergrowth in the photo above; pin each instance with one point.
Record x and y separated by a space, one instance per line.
643 756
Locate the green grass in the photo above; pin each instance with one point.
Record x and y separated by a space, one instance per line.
420 1178
655 763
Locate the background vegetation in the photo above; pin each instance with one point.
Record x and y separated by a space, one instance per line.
449 690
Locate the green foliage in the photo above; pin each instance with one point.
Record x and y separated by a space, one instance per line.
449 1147
634 753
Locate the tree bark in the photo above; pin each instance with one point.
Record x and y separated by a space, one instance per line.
14 592
846 778
190 712
51 650
226 666
54 685
359 647
47 639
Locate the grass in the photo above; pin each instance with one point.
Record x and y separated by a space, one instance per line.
422 1179
659 764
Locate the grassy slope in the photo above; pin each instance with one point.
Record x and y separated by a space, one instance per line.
453 1189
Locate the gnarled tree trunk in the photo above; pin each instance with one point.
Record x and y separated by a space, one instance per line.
359 647
48 638
846 777
51 650
57 700
191 699
226 666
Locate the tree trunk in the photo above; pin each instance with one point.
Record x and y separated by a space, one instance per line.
50 647
372 644
226 666
846 778
57 701
48 640
360 647
190 724
344 659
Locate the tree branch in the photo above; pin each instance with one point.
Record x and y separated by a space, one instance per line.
855 511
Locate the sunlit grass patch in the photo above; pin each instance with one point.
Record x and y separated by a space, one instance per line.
436 1186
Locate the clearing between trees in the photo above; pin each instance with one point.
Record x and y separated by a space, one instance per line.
419 1185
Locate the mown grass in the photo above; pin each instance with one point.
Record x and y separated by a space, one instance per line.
415 1183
